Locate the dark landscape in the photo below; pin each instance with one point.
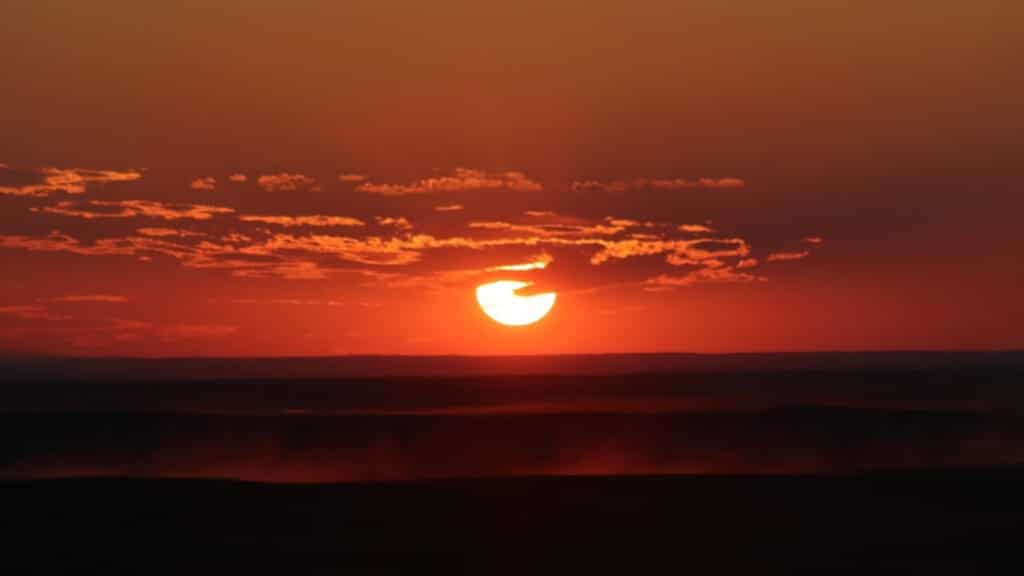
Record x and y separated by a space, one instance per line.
829 463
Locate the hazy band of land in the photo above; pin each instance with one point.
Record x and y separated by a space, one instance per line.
384 419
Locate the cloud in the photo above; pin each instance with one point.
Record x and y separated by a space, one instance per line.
164 232
684 184
747 263
557 230
238 178
619 186
717 275
285 182
236 238
288 270
401 223
461 180
289 302
133 208
193 331
373 250
538 262
597 186
679 252
206 183
787 256
816 240
105 298
26 312
315 220
695 228
263 252
350 178
539 213
448 208
623 222
70 181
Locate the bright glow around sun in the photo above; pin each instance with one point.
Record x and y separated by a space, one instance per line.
500 301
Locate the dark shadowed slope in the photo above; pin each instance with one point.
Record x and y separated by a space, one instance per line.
794 414
950 522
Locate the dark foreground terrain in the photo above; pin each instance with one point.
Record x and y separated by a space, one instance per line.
950 522
403 419
817 463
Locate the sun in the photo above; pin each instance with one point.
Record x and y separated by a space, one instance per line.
500 301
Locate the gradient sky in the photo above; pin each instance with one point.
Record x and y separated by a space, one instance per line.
312 177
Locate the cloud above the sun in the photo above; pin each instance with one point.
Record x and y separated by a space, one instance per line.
462 179
99 209
620 186
287 182
389 245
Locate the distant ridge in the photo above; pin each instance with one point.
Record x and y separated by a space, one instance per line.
19 367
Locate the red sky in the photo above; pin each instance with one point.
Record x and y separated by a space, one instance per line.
261 178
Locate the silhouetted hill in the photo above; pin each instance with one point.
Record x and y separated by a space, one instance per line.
106 369
927 522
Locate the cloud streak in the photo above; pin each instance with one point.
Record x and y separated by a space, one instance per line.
463 179
104 298
448 208
787 256
719 275
400 222
132 209
207 183
69 181
286 182
315 220
620 186
26 312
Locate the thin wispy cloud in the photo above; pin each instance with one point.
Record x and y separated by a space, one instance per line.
400 222
315 220
100 209
695 228
207 183
717 275
26 311
287 270
158 232
787 256
538 262
69 181
620 186
286 182
463 179
288 302
185 331
103 298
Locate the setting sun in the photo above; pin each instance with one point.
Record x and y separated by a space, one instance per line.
500 301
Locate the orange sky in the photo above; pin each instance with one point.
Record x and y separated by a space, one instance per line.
264 178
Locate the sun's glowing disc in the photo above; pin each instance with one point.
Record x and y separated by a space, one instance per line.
500 301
